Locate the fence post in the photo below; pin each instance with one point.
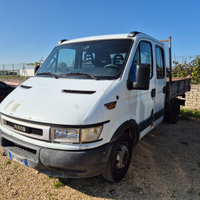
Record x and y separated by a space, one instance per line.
13 68
3 70
24 70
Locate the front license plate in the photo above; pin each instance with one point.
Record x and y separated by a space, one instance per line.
18 159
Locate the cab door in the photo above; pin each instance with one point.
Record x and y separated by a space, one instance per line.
160 83
142 101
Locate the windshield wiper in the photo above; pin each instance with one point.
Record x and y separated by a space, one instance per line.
48 73
78 74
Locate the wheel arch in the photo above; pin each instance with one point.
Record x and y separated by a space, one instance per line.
130 127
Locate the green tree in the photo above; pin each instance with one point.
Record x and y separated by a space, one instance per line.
36 63
185 69
195 75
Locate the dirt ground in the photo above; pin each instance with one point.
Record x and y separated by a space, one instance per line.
165 165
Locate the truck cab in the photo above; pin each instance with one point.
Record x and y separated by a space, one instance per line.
87 106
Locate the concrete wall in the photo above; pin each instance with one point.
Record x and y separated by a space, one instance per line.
26 72
193 98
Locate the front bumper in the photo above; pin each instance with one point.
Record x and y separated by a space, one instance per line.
58 163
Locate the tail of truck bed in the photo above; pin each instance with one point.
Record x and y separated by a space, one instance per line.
174 87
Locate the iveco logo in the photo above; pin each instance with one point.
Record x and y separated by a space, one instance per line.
20 128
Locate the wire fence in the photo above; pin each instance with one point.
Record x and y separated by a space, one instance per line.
182 59
16 70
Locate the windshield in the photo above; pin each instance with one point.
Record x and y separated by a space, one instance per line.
102 59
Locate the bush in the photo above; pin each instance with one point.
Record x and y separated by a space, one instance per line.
186 114
192 69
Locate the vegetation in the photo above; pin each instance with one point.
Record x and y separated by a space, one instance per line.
10 73
8 162
187 114
58 184
13 77
188 69
36 63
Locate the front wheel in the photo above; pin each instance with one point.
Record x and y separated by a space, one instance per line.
119 159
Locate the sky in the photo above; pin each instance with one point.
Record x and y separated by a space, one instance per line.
30 29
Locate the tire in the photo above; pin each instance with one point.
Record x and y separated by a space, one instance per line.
174 115
166 117
119 159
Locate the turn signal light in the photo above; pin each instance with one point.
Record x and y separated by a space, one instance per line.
110 105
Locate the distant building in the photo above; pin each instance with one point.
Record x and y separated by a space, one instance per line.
25 72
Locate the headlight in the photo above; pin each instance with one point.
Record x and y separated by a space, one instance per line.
75 135
65 135
90 134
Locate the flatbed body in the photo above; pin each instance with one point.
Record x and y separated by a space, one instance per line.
177 87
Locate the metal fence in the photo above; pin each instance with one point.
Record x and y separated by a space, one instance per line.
182 59
16 70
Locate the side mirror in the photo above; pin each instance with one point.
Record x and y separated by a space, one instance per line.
142 77
36 68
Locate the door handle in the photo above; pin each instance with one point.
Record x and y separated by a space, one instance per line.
153 92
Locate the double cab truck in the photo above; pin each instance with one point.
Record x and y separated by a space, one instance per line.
89 104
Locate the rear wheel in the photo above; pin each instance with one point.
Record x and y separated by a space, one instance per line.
119 159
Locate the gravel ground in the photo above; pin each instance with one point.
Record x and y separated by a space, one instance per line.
165 165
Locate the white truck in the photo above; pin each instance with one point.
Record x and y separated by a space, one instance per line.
89 104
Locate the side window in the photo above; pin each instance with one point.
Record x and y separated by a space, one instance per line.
143 55
146 55
159 63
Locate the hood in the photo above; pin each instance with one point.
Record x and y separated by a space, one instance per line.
56 101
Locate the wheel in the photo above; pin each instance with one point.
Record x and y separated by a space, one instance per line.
166 117
112 66
174 115
119 159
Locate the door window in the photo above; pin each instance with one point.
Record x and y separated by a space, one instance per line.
143 55
159 63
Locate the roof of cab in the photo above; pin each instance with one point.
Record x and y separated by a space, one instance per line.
131 35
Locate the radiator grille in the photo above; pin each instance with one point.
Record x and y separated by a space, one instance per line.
29 130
